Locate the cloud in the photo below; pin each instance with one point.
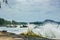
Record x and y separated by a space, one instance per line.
31 10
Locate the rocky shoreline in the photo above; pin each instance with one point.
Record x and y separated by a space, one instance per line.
12 36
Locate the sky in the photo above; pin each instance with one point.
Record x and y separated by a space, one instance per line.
30 10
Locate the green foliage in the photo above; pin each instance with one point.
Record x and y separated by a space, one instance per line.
36 23
4 22
23 23
32 34
14 22
1 21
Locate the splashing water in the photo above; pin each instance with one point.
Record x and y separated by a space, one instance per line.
48 30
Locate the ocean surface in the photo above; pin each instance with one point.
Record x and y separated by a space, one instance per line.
13 30
49 30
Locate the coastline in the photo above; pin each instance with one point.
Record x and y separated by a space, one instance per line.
12 36
9 36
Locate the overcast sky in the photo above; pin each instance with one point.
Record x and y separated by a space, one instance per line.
31 10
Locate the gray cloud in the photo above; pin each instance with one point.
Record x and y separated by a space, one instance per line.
31 10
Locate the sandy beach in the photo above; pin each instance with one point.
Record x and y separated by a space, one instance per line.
9 36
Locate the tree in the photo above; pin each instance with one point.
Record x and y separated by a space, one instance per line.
4 22
14 22
1 21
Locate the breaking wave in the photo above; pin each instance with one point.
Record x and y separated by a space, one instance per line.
49 30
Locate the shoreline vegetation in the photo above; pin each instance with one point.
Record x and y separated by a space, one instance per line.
30 35
4 22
